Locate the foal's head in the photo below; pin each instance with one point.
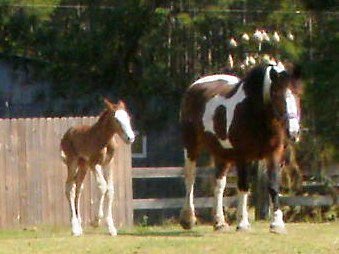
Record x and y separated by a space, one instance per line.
120 120
279 91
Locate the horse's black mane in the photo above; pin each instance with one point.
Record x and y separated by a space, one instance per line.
254 80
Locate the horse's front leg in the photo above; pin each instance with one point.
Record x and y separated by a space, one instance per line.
110 195
102 186
187 214
273 170
243 187
219 218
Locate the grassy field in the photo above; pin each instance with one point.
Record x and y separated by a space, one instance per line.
301 238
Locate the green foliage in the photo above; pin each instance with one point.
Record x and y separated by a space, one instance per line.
147 52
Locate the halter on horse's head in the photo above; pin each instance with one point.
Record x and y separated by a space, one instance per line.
278 92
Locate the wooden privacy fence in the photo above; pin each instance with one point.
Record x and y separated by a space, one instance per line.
207 202
32 176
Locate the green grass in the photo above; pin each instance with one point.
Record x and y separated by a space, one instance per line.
301 238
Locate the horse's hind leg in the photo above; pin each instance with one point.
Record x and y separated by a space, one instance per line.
187 214
219 218
70 189
80 176
243 187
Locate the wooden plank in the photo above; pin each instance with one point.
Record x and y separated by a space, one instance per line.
321 200
171 172
23 176
3 198
166 203
12 174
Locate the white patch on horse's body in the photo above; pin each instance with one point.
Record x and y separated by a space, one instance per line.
125 121
229 104
292 113
279 67
229 79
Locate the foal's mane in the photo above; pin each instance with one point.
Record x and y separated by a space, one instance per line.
103 115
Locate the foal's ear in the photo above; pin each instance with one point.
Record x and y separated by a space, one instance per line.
109 105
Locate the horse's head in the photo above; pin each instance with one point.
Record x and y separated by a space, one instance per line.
281 92
120 120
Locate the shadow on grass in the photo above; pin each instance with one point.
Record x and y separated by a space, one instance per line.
162 233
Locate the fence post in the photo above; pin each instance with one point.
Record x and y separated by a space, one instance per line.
261 196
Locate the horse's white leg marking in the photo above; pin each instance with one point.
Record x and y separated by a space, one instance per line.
70 194
218 202
102 186
277 221
78 189
242 214
110 194
188 213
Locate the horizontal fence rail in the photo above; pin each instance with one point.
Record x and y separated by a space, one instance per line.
207 202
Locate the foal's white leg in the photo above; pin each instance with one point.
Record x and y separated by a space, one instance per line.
102 186
70 194
219 217
110 195
79 187
187 215
242 214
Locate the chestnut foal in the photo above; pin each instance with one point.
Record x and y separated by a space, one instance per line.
92 147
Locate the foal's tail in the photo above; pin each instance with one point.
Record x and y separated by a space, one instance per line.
63 155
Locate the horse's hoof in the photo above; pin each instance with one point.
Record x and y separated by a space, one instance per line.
222 228
187 219
278 230
187 224
77 233
113 231
95 223
243 229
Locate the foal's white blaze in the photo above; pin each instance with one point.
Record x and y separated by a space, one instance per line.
292 113
229 79
125 121
230 105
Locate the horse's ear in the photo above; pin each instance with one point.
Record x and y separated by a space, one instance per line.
121 104
109 105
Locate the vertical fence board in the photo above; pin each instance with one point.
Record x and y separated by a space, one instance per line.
3 147
22 166
33 176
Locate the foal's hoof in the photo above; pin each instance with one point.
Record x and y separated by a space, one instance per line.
221 228
96 223
278 230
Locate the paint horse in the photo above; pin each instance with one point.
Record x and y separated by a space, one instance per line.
86 148
238 121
